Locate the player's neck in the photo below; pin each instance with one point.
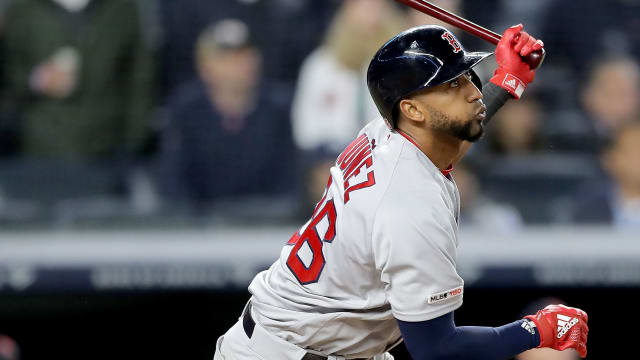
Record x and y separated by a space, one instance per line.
441 149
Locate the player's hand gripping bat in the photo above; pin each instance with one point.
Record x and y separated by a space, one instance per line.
534 59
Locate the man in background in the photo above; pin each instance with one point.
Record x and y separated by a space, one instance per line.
227 135
615 201
609 99
79 74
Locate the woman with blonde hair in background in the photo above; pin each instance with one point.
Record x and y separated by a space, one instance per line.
332 102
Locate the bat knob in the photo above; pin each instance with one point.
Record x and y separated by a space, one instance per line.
535 58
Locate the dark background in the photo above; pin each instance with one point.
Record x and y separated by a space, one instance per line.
185 325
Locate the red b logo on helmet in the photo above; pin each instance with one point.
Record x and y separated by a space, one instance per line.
452 41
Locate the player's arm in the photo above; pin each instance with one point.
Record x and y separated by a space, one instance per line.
556 326
512 75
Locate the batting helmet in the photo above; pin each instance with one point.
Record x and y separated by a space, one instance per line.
416 59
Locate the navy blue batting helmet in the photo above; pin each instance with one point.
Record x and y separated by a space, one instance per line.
416 59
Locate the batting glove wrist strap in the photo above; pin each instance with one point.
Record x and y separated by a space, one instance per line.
510 82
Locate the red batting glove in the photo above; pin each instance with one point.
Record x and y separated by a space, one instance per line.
513 74
562 327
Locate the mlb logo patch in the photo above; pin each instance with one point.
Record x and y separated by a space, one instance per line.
514 84
445 295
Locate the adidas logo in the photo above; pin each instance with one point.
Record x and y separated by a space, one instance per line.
565 323
511 83
529 326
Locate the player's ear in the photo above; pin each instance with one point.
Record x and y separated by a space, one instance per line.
410 109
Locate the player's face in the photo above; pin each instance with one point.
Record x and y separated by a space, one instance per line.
455 108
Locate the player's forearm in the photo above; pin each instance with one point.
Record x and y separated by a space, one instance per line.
494 98
475 342
440 339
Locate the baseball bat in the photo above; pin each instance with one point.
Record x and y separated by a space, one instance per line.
534 59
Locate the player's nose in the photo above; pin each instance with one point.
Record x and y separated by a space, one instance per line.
474 94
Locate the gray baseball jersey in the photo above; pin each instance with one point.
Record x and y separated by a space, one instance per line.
381 245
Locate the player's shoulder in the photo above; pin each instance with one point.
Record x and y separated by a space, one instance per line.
402 173
376 129
404 164
405 198
415 183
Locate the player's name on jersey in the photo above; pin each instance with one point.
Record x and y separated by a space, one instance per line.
354 158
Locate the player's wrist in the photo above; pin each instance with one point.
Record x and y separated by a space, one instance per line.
531 328
542 331
509 81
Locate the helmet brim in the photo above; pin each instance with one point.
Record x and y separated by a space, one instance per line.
446 74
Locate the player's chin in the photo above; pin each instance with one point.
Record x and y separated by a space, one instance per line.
475 130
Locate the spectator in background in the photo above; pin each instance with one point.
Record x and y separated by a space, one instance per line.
516 129
612 95
79 74
288 30
182 22
609 99
331 102
285 31
478 210
575 31
615 201
3 9
8 126
9 350
226 134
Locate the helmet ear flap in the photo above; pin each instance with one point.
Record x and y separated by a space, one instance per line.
476 79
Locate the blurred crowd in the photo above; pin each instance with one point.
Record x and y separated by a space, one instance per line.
233 110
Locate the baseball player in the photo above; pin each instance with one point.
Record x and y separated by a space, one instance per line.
376 263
